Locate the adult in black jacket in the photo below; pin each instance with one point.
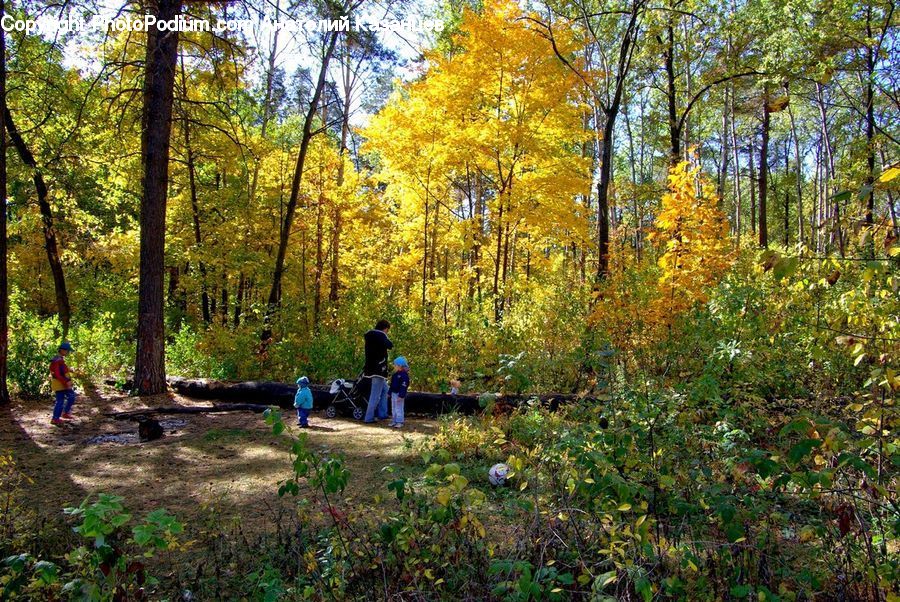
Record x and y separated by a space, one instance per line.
376 369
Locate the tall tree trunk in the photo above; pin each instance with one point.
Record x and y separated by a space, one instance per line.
671 94
626 50
870 133
787 199
723 161
239 300
890 197
195 203
349 80
478 238
836 232
498 308
632 159
752 178
224 308
425 240
801 235
504 293
4 280
737 173
320 258
287 225
159 80
50 243
764 174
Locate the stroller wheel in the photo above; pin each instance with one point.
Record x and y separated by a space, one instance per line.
330 411
358 413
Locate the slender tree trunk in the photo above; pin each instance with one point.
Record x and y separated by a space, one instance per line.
504 293
815 217
836 232
890 198
626 50
870 121
787 199
239 300
764 174
287 225
737 173
4 280
752 178
159 80
870 133
723 161
671 94
479 238
224 308
425 241
632 159
320 258
498 308
603 198
47 227
801 234
195 203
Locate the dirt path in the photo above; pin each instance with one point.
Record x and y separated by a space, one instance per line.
229 458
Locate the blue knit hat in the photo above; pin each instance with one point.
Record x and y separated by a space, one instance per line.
303 382
401 362
66 346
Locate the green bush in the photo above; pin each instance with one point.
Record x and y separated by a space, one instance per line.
32 344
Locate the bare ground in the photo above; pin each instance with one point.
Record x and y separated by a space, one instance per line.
229 458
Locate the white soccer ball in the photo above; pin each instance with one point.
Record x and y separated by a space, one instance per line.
497 474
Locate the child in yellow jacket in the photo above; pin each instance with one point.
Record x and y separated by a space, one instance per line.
61 385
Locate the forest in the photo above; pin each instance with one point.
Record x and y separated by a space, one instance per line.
642 259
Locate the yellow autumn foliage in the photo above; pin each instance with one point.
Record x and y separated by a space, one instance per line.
691 234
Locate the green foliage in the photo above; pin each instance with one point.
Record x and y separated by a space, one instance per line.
31 347
110 565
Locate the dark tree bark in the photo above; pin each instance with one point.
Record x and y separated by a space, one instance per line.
50 243
4 281
870 134
159 81
671 92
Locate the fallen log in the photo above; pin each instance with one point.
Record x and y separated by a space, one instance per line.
142 413
282 395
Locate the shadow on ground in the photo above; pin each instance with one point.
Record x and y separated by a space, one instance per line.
230 460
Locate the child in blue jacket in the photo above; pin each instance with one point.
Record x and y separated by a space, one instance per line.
303 401
399 386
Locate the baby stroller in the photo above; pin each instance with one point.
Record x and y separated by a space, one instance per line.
348 399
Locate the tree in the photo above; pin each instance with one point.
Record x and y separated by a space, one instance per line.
50 243
499 107
612 37
4 280
329 42
693 234
159 82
